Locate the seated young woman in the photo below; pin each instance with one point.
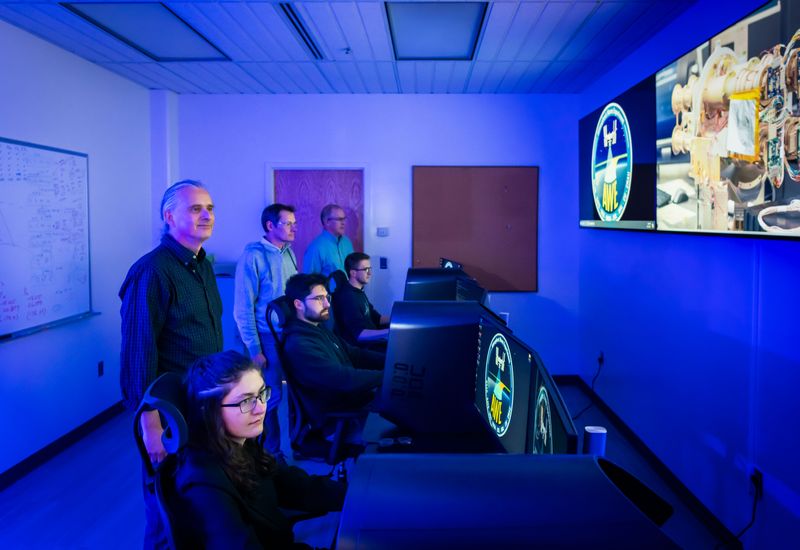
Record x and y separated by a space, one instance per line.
230 490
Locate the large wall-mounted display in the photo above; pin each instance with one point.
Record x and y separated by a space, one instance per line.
726 123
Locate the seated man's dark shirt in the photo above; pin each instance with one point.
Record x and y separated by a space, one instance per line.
331 375
353 313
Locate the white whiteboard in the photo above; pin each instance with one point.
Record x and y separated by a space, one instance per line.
44 236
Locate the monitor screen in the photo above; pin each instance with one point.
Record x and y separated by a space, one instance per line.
708 144
727 130
617 161
550 426
503 384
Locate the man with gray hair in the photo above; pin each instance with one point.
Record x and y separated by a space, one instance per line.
327 252
171 314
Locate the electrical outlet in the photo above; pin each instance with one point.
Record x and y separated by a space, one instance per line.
757 479
100 368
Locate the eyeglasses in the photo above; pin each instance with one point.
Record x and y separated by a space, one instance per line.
338 219
367 269
288 224
247 404
320 298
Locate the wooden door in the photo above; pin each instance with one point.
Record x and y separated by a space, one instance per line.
310 190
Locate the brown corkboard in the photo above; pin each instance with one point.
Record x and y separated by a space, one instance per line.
484 217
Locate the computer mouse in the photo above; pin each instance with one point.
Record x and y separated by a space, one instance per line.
679 196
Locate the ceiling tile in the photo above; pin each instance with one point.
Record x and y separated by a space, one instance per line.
443 70
523 23
372 80
459 76
566 28
280 42
594 33
332 75
349 19
499 18
424 76
544 27
388 76
374 17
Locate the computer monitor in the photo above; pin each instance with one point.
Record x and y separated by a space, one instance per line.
550 426
503 378
429 379
428 283
456 375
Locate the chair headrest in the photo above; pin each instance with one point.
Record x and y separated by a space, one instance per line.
338 277
280 310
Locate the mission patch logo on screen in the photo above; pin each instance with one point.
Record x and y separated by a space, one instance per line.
499 384
612 163
543 424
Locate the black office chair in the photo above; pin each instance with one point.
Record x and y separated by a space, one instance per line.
167 395
306 440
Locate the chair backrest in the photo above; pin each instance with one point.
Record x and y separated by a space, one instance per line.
279 312
337 278
167 395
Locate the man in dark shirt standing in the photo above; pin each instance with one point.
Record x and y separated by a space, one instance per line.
332 375
171 312
356 320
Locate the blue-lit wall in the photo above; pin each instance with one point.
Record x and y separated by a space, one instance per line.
699 334
232 142
49 382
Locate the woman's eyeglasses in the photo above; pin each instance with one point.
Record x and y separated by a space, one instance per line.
249 403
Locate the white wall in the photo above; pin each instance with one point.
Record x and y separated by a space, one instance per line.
51 97
230 142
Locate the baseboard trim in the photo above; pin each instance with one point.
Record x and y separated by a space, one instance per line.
44 454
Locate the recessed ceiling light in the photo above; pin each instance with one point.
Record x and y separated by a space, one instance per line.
151 28
435 30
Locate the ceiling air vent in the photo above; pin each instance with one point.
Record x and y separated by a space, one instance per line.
299 28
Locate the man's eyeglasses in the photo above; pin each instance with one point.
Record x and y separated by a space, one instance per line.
288 224
249 403
320 298
343 218
367 269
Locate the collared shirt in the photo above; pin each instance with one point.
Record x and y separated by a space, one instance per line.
171 315
326 254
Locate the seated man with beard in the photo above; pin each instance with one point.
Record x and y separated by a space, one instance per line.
331 375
